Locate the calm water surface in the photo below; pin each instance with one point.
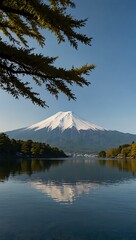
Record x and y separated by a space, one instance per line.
79 199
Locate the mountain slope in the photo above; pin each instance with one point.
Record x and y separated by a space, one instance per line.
72 134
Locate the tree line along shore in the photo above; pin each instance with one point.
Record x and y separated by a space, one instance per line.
123 151
20 148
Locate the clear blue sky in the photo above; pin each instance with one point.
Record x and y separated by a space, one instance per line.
111 98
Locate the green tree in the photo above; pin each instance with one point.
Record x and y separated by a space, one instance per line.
26 147
126 151
133 150
21 20
112 152
35 149
5 144
14 146
102 154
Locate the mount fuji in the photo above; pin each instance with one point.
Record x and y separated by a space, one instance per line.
63 121
68 132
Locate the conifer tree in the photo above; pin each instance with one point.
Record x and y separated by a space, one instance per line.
21 20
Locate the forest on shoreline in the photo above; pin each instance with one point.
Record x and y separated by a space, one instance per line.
29 149
123 151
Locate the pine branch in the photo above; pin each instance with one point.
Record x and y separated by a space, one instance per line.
24 18
23 13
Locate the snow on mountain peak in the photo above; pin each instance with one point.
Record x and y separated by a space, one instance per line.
65 120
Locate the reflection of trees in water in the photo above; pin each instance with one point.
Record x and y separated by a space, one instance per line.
121 164
16 167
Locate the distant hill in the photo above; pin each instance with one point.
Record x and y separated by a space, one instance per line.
68 132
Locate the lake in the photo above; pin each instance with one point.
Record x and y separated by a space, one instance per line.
71 199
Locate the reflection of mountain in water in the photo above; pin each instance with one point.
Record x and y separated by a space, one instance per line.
68 171
64 192
65 181
79 177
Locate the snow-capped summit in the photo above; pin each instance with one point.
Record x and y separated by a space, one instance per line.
63 121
